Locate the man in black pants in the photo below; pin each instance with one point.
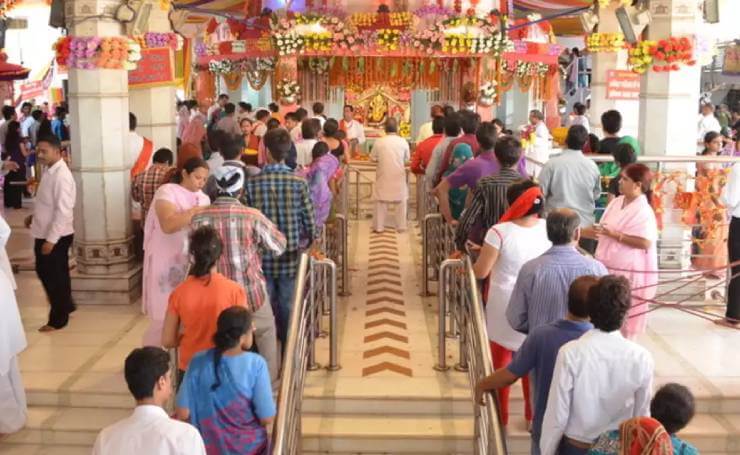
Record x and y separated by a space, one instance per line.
52 228
731 199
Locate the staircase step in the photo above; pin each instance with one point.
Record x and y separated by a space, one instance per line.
411 434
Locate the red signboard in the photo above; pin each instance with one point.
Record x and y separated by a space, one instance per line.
155 68
622 85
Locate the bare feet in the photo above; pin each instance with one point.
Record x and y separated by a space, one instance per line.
47 328
733 323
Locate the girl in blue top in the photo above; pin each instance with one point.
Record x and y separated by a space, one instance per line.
226 392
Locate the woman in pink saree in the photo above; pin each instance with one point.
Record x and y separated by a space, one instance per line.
166 241
627 237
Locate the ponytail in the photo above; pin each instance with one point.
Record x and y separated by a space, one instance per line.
205 248
232 324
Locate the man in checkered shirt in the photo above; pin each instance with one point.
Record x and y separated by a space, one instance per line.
246 234
285 199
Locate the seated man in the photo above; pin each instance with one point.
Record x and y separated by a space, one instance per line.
149 429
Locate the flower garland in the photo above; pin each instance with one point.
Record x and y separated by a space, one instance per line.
488 90
640 57
288 89
241 66
605 42
97 53
395 19
434 39
388 39
220 67
152 40
318 66
336 35
662 56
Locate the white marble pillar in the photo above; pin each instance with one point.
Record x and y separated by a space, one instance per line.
155 107
106 271
669 102
602 62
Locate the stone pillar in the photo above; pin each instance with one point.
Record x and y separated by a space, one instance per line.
155 107
602 62
669 102
106 271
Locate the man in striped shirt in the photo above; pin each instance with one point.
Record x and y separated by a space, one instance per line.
489 195
540 295
246 234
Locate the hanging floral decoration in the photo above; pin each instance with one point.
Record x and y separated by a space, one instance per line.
153 40
605 42
388 39
7 5
97 53
487 93
640 57
288 90
318 65
220 67
335 34
402 19
481 37
404 129
664 55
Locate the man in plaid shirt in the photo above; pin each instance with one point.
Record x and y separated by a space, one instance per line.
246 233
146 183
285 199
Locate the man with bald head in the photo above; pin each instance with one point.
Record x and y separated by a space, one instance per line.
539 351
541 289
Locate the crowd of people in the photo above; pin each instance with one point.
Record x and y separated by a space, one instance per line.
223 225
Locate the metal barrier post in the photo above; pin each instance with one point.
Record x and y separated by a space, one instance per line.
445 273
357 193
333 324
313 315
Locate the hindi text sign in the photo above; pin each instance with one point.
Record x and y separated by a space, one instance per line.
622 85
156 68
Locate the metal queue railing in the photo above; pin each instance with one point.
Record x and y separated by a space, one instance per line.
460 299
438 241
315 285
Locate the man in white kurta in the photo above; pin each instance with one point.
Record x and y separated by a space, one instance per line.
540 152
391 153
12 342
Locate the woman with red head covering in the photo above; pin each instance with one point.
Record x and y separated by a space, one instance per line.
519 236
628 235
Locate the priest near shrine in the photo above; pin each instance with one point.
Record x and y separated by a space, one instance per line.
391 153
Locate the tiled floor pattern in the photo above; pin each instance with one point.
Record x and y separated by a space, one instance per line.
384 309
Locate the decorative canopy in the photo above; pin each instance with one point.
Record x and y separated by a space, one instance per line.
9 71
550 6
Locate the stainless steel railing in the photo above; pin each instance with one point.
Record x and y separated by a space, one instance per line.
438 241
337 249
315 283
459 297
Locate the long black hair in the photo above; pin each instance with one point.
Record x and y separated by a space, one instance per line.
205 248
13 136
232 323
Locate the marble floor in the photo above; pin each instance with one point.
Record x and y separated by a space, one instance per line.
387 397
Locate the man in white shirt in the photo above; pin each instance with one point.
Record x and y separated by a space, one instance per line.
140 149
52 228
600 379
13 409
391 152
300 115
707 122
579 117
26 120
149 430
731 198
309 137
354 129
425 130
260 123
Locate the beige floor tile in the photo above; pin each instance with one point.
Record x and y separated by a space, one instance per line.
56 358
